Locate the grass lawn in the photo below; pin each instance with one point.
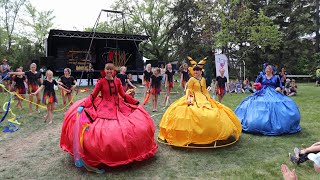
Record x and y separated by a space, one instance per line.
33 152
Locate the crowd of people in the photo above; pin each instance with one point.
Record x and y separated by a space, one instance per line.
114 128
32 82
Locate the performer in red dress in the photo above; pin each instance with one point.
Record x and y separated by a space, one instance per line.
114 129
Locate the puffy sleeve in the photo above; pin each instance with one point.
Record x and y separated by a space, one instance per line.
190 86
127 98
278 82
204 87
97 88
259 79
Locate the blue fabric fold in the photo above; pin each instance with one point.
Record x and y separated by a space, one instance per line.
269 112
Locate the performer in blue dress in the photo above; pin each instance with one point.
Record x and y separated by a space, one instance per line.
268 111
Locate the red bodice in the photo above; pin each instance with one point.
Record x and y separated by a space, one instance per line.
112 99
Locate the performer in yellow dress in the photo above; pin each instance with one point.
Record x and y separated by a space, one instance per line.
196 120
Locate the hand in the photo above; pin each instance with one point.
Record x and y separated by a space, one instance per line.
188 101
32 94
80 108
209 88
287 174
278 89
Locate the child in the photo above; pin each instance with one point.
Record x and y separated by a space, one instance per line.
33 78
287 87
221 85
169 79
155 87
49 96
184 74
124 78
19 86
146 79
293 88
130 86
238 87
69 83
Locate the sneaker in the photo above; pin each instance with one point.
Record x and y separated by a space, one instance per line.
296 152
293 159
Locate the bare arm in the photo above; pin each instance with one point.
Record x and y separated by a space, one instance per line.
75 84
13 84
61 87
131 83
143 82
150 83
16 73
41 79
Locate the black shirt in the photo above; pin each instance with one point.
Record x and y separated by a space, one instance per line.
123 78
156 81
185 76
19 82
221 81
67 82
147 75
33 78
170 75
49 86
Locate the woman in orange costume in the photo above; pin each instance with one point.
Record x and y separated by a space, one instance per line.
115 129
197 120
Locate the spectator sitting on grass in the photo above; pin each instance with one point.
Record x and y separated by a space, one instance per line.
239 87
286 90
247 87
232 87
292 175
293 88
301 156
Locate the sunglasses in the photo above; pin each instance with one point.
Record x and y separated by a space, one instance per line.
197 70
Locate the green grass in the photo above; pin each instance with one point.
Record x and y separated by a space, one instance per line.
33 152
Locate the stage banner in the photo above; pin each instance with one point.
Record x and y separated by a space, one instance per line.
222 63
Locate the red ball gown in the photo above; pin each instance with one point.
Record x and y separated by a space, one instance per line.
112 129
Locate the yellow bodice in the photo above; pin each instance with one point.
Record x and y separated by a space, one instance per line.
197 90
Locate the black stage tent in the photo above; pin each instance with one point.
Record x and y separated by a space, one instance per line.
70 48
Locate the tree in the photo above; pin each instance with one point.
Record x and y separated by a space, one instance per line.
40 22
244 34
153 18
11 8
296 20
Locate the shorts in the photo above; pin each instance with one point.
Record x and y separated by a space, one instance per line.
171 85
20 90
221 91
155 91
49 98
147 83
32 88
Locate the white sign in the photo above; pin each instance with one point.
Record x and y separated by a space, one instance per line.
222 63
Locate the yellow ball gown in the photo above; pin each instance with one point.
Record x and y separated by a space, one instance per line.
204 123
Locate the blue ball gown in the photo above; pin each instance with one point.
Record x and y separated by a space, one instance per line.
267 111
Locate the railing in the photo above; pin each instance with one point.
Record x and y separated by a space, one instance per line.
298 76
